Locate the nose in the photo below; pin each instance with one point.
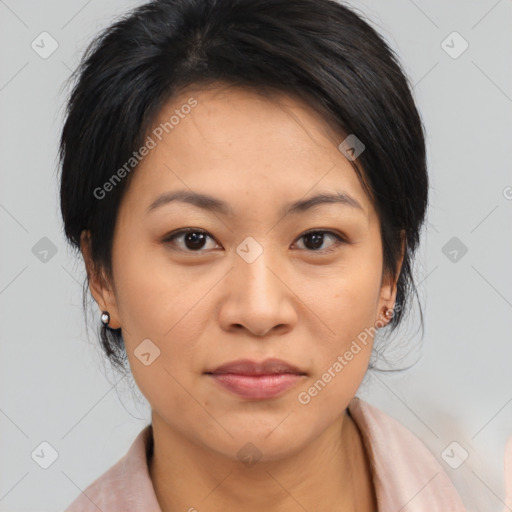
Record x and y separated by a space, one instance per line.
257 298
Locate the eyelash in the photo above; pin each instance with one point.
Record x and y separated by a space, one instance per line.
339 240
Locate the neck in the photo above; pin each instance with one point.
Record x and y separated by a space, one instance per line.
325 475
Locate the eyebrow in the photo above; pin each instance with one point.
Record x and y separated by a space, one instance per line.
213 204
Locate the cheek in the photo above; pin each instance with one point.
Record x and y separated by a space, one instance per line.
347 306
156 299
168 308
348 302
343 355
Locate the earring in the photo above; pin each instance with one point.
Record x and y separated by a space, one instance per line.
105 318
388 312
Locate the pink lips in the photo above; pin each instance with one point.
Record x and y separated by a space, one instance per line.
257 381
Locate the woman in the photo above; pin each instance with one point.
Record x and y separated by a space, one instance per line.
246 181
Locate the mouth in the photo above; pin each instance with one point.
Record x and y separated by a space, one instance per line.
257 380
248 367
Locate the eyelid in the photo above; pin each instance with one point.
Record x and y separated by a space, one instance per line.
327 231
340 238
183 231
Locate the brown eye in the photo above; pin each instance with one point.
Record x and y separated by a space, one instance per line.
193 240
313 240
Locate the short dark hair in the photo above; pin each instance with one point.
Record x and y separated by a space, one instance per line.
318 50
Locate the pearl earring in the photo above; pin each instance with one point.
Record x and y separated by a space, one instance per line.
105 317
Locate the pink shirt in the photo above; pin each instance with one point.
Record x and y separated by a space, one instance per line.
404 472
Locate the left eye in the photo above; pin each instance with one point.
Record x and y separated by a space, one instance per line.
194 240
316 238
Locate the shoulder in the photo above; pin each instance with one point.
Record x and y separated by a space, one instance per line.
508 474
404 470
125 487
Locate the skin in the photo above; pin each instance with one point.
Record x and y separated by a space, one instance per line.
203 309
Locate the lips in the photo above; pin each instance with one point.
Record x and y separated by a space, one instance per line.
251 380
247 367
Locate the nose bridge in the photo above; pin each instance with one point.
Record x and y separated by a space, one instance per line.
256 268
256 296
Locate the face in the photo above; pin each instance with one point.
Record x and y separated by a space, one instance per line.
255 278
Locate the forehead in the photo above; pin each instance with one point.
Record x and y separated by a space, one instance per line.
239 143
246 112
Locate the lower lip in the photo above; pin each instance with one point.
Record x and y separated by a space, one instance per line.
257 387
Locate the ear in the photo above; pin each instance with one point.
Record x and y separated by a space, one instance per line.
101 289
389 289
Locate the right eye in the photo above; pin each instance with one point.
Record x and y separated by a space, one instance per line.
193 239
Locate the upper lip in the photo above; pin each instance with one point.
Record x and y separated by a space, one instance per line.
249 367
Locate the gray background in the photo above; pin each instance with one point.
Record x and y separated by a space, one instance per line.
54 383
